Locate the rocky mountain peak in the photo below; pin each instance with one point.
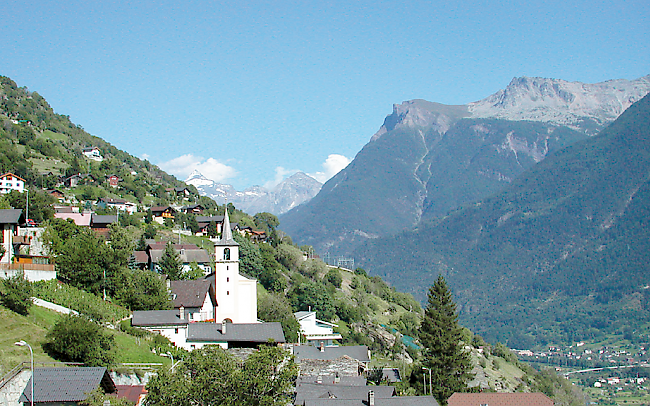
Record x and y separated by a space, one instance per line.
562 102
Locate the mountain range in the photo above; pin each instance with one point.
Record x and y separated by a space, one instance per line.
288 194
429 158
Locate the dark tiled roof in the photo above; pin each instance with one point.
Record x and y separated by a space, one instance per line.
500 399
392 401
246 332
157 318
358 352
103 219
160 209
186 255
329 379
141 257
66 384
306 391
209 219
11 216
190 293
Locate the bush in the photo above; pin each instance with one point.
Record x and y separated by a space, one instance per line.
16 293
77 339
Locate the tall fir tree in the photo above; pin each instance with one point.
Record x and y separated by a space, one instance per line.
170 263
444 352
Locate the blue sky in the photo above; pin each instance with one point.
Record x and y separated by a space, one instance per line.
251 91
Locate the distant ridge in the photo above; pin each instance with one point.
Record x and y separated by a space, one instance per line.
293 191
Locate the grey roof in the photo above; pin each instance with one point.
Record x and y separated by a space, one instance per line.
247 332
66 384
392 401
190 293
209 219
187 256
329 379
306 391
11 216
157 318
103 219
299 315
358 352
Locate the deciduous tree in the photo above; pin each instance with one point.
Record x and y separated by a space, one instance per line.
16 293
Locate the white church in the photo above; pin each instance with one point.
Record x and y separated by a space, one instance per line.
220 309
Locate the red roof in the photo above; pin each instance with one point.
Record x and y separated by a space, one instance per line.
130 392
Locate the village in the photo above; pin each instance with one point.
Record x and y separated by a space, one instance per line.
218 308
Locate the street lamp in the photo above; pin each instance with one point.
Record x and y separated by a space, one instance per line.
425 385
169 355
22 343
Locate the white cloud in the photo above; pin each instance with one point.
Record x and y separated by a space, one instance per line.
332 165
145 157
210 168
280 174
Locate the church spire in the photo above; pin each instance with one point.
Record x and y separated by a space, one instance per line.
226 231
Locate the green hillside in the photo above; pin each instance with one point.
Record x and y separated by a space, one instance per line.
560 255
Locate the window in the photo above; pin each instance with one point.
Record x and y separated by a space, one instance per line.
227 279
226 254
175 331
227 293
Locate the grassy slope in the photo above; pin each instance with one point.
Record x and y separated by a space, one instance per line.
34 327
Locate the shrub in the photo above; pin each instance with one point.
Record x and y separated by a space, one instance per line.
77 339
16 293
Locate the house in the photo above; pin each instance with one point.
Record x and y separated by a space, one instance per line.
133 393
253 235
80 219
176 326
93 153
118 204
205 221
66 386
316 332
188 253
499 399
100 223
57 194
79 179
10 220
197 297
193 209
9 182
113 181
161 213
339 394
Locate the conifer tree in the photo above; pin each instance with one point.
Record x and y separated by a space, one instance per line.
170 263
444 351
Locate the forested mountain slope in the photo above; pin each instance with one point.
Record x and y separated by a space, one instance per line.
562 253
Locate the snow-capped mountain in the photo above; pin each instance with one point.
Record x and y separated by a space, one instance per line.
293 191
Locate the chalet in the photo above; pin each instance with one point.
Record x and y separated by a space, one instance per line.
205 221
57 194
193 209
253 235
66 386
179 191
79 179
100 223
10 220
93 153
9 182
118 204
316 332
160 213
188 253
113 181
499 399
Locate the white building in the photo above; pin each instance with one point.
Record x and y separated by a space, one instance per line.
9 182
225 297
93 153
316 332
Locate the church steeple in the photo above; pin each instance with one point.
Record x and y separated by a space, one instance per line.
226 231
